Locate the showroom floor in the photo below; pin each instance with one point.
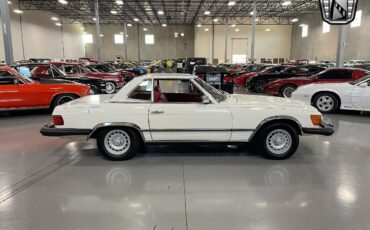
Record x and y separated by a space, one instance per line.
53 183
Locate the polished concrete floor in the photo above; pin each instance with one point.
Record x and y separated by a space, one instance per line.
52 183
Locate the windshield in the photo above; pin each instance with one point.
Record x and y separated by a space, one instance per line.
275 69
355 82
216 94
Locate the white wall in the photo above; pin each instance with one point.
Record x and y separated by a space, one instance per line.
273 44
42 39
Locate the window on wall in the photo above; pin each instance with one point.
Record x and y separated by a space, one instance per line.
87 38
118 39
149 39
325 27
239 58
357 21
304 31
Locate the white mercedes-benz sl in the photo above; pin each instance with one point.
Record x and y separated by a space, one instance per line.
330 97
173 108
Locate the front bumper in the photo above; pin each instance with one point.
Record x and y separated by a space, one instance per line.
325 129
51 131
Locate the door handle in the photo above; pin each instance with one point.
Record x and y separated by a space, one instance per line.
157 112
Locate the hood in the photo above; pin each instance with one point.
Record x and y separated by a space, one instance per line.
267 102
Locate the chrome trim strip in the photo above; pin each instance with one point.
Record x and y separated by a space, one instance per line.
198 130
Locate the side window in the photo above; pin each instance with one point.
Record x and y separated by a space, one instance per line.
176 91
143 91
7 79
336 75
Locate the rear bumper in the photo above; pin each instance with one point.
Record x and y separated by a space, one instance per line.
51 131
325 129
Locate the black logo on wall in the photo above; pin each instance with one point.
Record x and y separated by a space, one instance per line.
338 12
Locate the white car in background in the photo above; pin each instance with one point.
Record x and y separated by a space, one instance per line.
172 108
330 97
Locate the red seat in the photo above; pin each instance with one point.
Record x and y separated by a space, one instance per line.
158 96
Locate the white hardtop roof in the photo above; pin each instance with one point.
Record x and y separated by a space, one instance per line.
169 75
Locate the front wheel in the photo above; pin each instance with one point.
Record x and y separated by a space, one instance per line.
326 103
110 87
259 86
118 144
278 141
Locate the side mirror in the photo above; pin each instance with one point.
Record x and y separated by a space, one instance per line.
205 100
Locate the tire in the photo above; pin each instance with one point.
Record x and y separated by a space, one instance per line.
125 145
326 103
259 86
93 90
277 141
286 90
110 87
61 99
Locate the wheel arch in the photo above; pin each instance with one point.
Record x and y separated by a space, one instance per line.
62 93
286 84
326 91
277 119
126 125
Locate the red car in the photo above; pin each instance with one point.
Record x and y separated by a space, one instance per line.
241 80
285 87
113 80
20 93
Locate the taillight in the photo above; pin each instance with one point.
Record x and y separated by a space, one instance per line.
58 120
228 79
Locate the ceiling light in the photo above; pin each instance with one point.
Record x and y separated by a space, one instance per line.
9 2
182 34
58 24
231 3
206 29
176 34
207 12
82 28
160 12
101 35
199 25
63 1
129 24
18 11
126 35
233 25
136 19
164 24
268 29
256 20
215 20
251 13
94 19
119 2
54 18
301 25
294 20
236 30
113 12
145 29
286 3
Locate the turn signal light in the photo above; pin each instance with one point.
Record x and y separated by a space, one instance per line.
316 119
58 120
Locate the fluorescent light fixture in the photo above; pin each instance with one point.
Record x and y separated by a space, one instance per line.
164 24
206 29
17 11
251 13
54 18
268 29
199 25
63 2
101 35
94 19
215 20
237 30
176 34
160 12
301 25
58 24
295 20
231 3
233 25
9 2
286 3
113 12
119 2
257 19
136 19
207 12
182 34
145 29
129 24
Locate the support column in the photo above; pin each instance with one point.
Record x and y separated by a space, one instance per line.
138 42
7 35
226 37
342 36
213 40
253 42
97 23
125 38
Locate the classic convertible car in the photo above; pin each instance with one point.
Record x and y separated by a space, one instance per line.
168 108
330 97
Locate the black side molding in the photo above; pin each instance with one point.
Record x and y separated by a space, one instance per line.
51 131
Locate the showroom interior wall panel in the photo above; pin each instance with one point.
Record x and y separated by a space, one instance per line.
323 46
41 38
165 44
275 43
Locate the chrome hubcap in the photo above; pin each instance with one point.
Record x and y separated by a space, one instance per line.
325 103
279 141
117 142
288 92
110 87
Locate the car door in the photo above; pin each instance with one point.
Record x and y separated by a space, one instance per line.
360 96
178 114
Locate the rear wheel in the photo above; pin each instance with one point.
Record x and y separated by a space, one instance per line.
326 102
259 86
110 87
287 90
278 141
118 144
62 99
93 90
